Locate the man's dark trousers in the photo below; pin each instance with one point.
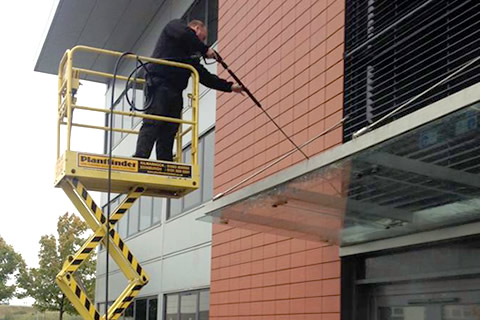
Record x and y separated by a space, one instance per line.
167 102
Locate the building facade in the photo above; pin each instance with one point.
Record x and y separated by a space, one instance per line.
312 64
380 222
290 54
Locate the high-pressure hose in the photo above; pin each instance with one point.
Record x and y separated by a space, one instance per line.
251 96
148 93
109 193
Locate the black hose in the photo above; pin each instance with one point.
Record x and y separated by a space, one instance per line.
148 95
110 149
257 103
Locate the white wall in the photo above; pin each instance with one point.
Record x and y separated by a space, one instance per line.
175 253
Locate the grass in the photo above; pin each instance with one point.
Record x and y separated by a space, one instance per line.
8 312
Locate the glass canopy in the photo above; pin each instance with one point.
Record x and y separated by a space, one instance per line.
424 179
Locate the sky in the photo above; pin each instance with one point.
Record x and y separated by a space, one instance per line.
30 203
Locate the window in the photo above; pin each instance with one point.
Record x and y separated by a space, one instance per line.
206 11
402 313
190 305
118 122
204 193
128 314
146 212
397 49
463 312
121 104
122 226
126 121
152 309
142 309
133 217
193 199
157 210
171 307
440 281
204 305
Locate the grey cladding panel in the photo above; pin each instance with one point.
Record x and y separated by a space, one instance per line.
134 21
64 32
99 27
111 24
126 33
102 21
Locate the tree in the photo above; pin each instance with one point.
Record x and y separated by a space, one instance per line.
10 265
39 283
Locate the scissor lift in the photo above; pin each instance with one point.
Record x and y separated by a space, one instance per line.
78 172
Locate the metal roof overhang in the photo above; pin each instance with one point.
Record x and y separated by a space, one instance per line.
108 24
415 174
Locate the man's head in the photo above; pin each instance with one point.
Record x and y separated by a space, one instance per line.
199 28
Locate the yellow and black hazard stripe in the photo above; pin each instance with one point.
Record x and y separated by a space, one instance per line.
126 204
128 255
83 301
125 302
82 191
77 296
84 252
118 213
93 241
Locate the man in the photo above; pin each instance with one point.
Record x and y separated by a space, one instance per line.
178 42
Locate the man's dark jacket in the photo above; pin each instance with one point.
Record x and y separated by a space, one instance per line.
178 42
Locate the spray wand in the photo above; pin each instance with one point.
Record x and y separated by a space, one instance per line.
249 93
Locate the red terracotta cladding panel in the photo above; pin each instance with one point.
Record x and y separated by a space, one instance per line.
290 55
257 274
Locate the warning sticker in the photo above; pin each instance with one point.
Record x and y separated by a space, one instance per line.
162 168
137 166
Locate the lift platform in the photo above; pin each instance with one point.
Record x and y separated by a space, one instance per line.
161 178
78 172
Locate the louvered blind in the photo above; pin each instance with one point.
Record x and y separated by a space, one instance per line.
396 49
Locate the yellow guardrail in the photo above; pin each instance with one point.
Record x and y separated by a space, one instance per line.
68 82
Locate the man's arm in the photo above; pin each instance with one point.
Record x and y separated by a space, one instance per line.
185 37
212 81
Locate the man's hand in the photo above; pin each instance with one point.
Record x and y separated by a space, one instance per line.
237 88
211 54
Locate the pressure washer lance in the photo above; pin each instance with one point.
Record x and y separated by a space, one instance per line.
234 76
271 164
